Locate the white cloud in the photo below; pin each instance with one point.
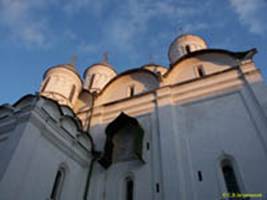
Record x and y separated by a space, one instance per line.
128 22
136 17
28 21
250 14
16 15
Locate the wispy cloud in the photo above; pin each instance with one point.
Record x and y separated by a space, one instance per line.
121 27
250 13
17 17
28 22
137 18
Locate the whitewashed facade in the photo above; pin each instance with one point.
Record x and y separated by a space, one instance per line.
192 131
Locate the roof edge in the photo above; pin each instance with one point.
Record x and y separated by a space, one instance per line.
102 64
63 66
241 55
128 72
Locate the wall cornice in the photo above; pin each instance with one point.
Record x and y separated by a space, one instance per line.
217 83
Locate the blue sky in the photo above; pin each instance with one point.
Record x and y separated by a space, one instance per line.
37 34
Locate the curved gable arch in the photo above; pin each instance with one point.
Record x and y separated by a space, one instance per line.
141 80
211 61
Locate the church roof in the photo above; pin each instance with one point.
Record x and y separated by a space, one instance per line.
131 71
104 64
70 67
238 55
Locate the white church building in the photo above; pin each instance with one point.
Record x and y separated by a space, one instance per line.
195 130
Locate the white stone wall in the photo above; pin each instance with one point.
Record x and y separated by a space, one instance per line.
225 126
215 127
109 183
41 147
190 128
190 123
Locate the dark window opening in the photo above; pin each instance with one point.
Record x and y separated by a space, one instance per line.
157 187
72 92
92 81
187 49
45 84
230 178
123 145
199 176
129 189
147 146
201 71
124 141
131 91
57 186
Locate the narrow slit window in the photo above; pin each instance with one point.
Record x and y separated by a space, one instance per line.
131 91
201 71
157 188
187 49
230 177
72 92
129 189
92 81
57 186
147 146
45 84
199 173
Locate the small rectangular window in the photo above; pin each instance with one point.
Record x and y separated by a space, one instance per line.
199 173
187 48
200 71
131 91
157 188
147 146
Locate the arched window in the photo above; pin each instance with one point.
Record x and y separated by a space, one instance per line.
45 84
229 176
187 49
58 183
124 141
129 190
72 92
